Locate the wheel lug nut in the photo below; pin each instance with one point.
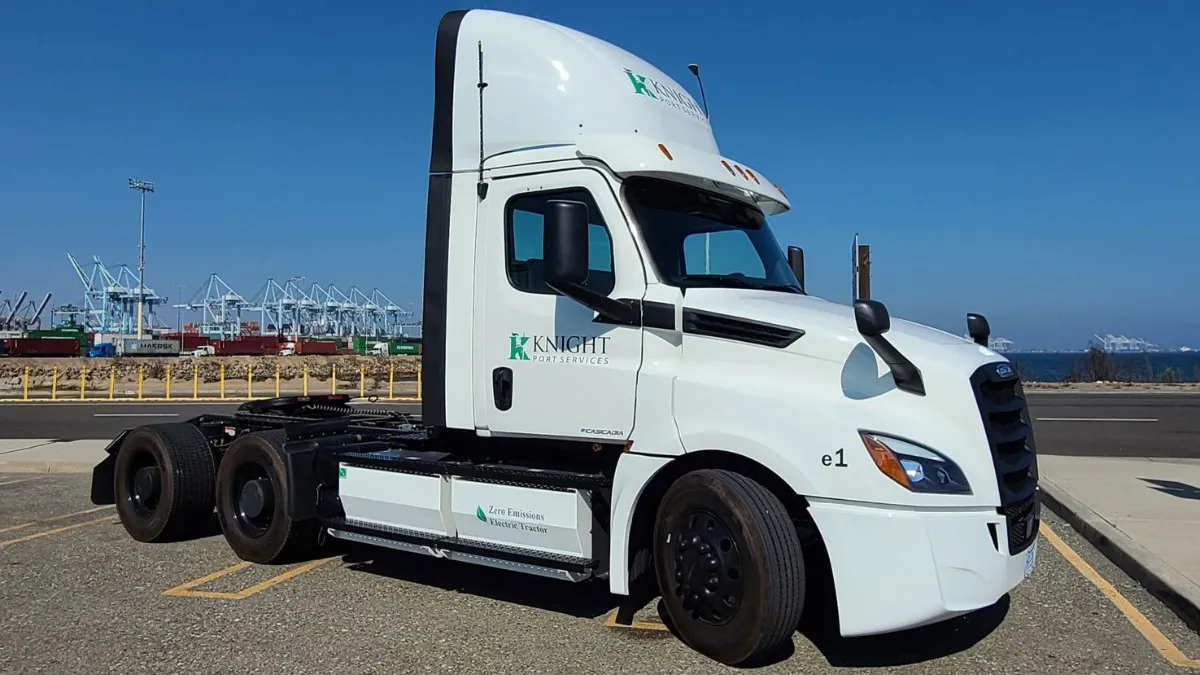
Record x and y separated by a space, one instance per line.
713 582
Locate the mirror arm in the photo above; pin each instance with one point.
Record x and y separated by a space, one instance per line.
613 310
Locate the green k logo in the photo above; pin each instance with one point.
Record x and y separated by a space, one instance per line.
516 347
639 84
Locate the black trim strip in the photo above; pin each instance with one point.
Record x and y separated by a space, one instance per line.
711 324
437 223
649 314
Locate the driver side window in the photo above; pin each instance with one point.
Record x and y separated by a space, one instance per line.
524 217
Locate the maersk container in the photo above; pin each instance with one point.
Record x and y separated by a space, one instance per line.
148 347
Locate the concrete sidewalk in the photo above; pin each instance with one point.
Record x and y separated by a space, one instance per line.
50 456
1143 514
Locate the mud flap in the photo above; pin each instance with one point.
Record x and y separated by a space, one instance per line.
103 475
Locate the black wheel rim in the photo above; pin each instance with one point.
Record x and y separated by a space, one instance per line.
707 569
253 496
143 485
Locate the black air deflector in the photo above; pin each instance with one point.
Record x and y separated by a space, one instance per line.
710 324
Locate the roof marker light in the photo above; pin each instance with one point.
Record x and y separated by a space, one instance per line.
729 168
739 170
666 153
755 178
780 191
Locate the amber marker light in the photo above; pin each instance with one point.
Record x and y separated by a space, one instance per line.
885 460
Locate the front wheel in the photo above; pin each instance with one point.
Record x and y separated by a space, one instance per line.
729 566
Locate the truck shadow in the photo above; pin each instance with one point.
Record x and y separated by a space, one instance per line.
928 643
592 600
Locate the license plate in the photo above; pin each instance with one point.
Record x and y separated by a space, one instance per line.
1031 559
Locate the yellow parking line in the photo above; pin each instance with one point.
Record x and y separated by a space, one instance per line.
29 537
638 624
51 520
21 480
1153 635
186 590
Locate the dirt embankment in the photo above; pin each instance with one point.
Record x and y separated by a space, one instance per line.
207 370
353 372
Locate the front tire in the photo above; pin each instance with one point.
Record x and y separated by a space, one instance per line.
729 566
252 498
163 482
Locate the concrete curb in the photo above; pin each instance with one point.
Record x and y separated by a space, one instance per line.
46 467
1162 581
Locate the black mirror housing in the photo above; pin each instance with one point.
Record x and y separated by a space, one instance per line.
978 328
795 256
565 242
872 318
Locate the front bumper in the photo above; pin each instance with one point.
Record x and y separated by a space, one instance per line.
896 569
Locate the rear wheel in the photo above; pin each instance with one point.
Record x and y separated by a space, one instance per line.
164 482
729 566
252 497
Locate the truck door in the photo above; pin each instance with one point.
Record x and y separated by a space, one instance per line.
549 367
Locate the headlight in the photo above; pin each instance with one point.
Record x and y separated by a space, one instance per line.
917 468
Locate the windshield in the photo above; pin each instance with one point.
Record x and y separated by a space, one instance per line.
699 238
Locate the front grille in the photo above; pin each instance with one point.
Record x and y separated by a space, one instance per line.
1005 415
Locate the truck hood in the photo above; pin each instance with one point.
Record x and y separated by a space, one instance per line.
830 331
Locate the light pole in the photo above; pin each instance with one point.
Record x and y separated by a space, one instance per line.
142 186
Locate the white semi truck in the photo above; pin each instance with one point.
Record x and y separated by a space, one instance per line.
625 382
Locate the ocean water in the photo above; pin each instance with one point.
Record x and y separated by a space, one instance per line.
1150 367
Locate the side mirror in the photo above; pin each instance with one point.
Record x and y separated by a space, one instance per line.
872 318
978 328
795 256
565 240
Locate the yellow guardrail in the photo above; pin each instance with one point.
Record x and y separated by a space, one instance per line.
79 392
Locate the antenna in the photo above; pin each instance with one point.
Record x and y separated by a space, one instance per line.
481 187
696 71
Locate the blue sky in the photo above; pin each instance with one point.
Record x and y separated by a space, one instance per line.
1036 162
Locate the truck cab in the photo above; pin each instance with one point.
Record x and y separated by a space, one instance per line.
624 380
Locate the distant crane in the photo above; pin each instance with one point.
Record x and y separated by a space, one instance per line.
1122 344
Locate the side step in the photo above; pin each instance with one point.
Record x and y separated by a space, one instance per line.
511 558
542 522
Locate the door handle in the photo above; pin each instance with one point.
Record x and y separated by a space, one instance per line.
502 385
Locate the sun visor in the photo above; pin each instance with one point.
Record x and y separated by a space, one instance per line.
639 156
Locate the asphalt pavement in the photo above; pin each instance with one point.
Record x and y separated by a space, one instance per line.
1100 425
87 421
1117 424
78 595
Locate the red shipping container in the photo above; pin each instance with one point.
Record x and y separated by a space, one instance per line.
43 347
316 347
243 348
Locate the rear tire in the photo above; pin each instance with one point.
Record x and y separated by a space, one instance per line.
164 482
729 566
252 498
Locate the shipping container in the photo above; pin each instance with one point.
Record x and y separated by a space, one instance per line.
47 346
244 348
307 347
189 341
148 347
397 348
